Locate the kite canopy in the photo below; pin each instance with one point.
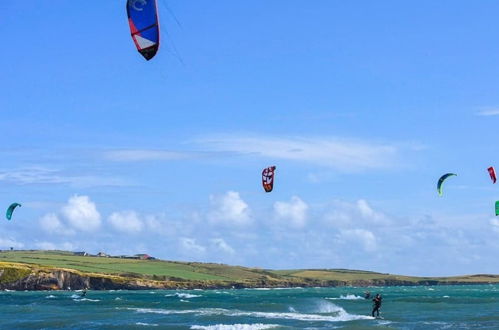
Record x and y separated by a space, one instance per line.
144 26
497 208
492 174
268 178
11 209
441 181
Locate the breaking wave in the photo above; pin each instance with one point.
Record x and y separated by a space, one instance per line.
183 295
336 313
347 297
87 299
256 326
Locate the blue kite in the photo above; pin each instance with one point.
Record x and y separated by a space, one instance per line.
144 26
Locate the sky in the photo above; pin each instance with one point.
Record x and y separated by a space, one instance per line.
361 106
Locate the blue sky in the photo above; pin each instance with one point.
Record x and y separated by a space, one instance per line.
360 105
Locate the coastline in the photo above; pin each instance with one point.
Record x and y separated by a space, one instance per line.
37 272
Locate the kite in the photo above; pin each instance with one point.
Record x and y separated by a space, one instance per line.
492 174
268 178
11 209
497 208
441 181
144 26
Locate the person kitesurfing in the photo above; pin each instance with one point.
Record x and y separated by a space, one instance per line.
376 305
83 293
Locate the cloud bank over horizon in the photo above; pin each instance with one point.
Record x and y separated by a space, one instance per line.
286 234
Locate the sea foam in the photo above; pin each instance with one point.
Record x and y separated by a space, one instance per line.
340 314
147 324
347 297
256 326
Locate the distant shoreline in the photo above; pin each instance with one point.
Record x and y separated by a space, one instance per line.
61 270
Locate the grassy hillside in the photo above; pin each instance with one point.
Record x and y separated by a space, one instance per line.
342 275
133 267
14 263
360 275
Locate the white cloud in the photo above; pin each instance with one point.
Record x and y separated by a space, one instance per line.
368 213
295 211
32 175
66 246
359 237
135 155
495 225
230 208
189 245
82 213
6 243
221 245
126 221
322 176
348 234
52 224
488 112
345 214
42 175
154 224
343 154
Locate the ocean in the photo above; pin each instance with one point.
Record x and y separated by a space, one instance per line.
435 307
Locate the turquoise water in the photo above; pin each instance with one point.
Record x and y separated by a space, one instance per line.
439 307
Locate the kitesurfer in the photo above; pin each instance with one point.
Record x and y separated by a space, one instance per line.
367 295
376 304
83 293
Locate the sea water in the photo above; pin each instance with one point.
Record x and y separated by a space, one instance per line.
421 307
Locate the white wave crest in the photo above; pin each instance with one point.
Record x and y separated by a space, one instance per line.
183 295
86 299
187 295
50 297
326 307
256 326
277 288
347 297
340 314
384 322
147 324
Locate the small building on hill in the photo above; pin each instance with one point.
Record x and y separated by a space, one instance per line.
143 256
102 254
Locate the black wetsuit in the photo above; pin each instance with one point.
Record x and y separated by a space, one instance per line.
376 306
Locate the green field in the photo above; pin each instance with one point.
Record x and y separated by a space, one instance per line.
185 272
341 275
360 275
131 267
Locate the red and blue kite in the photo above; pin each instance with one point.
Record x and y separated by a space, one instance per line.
144 26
